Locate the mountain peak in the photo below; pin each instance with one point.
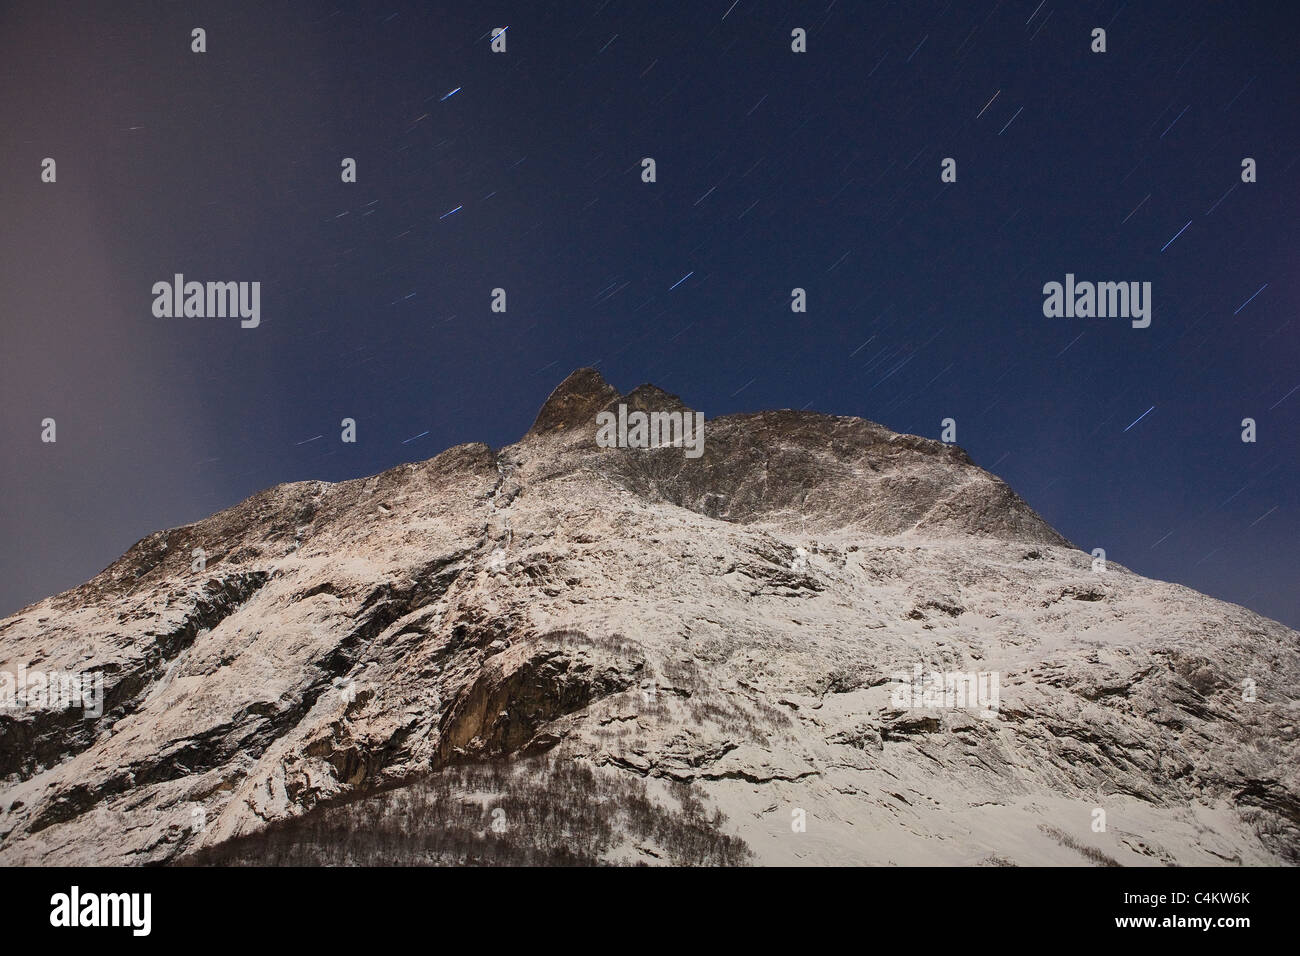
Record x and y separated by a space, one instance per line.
628 616
578 397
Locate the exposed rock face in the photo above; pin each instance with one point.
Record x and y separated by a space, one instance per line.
730 622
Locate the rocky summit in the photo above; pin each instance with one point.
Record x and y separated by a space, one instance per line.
562 652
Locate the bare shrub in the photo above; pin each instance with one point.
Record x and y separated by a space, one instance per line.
1091 852
536 811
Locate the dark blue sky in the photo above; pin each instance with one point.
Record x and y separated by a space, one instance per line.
775 170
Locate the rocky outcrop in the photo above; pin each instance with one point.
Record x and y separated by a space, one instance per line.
719 634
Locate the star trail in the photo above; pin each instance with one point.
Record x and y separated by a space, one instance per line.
774 170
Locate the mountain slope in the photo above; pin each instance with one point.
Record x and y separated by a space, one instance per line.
730 623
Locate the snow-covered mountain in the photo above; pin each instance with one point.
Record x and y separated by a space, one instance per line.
564 652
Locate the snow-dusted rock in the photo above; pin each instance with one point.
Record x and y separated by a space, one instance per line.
732 622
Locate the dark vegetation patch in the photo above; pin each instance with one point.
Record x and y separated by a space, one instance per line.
537 811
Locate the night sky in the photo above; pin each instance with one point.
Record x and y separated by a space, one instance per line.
775 170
